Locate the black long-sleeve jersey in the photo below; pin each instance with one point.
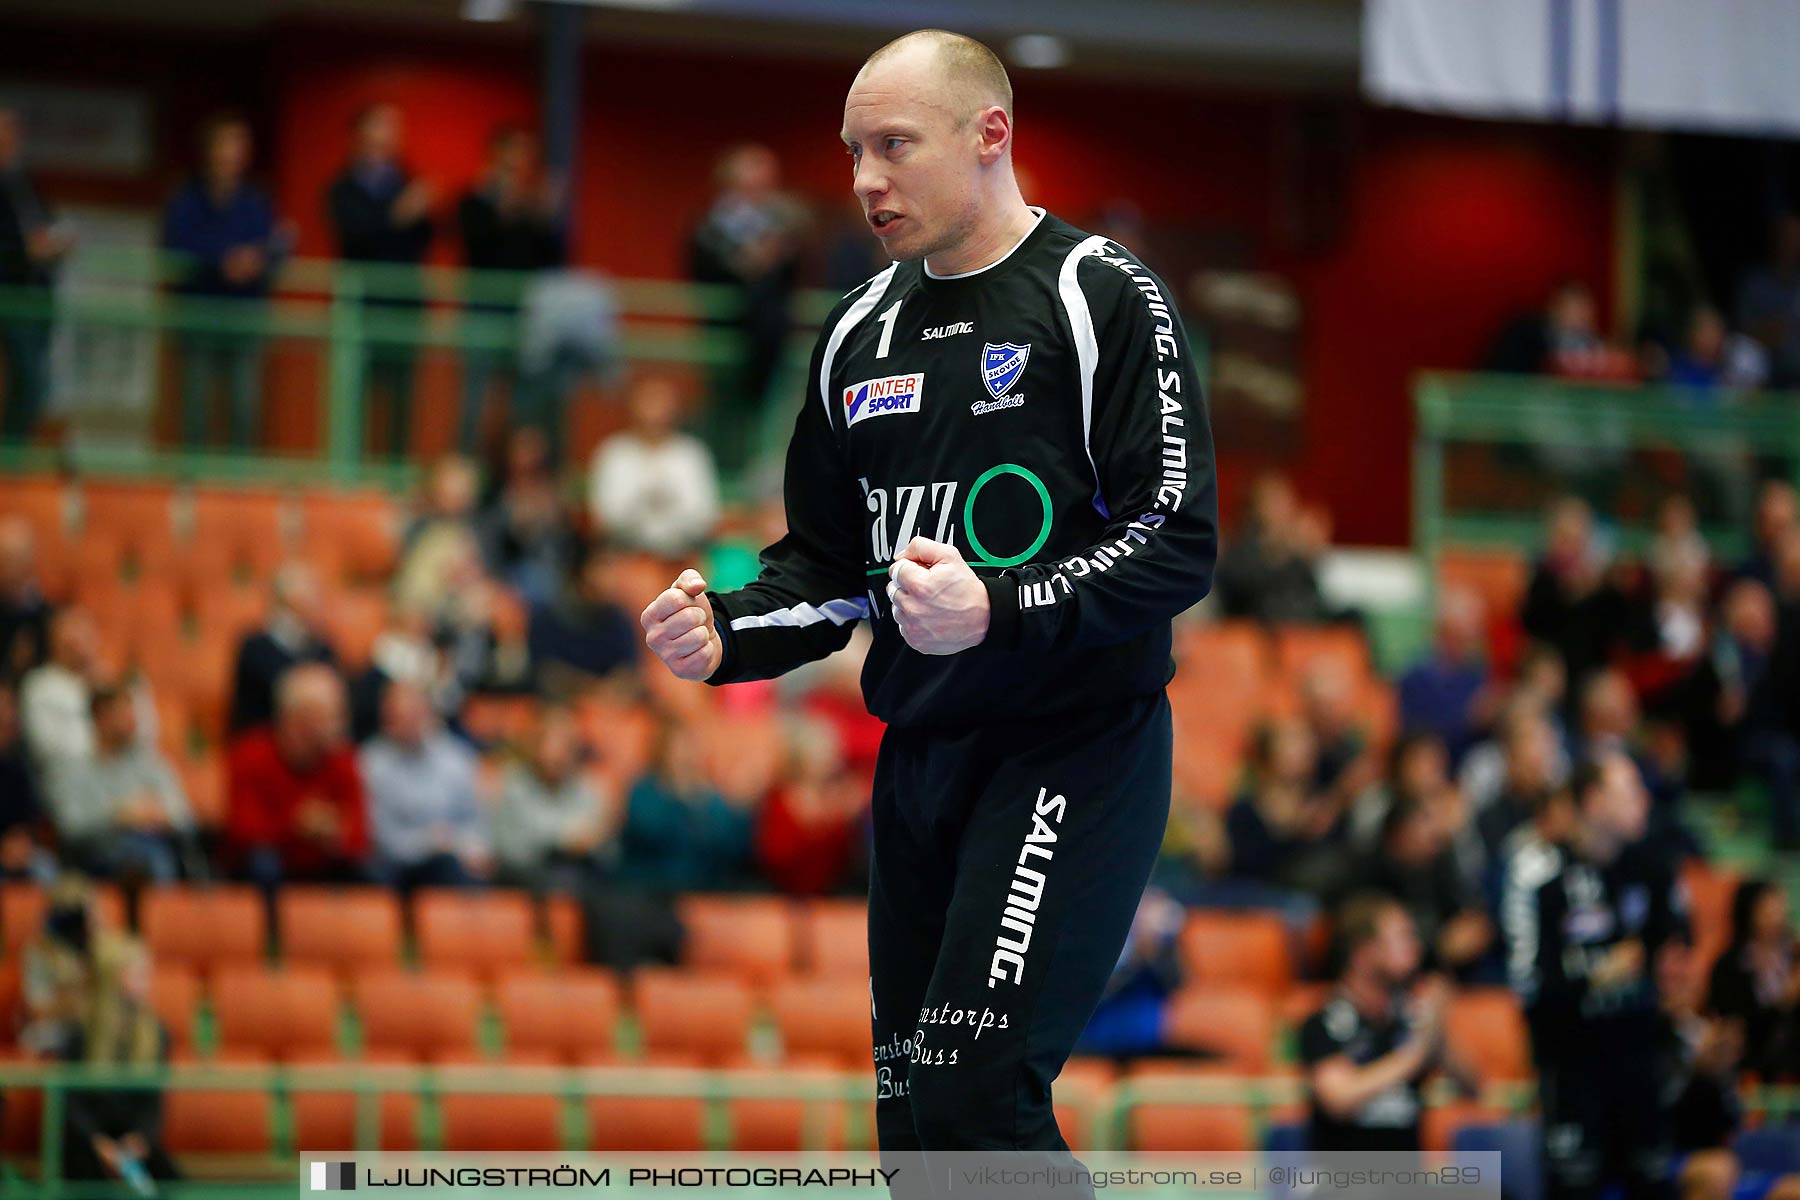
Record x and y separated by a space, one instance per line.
1560 915
1044 415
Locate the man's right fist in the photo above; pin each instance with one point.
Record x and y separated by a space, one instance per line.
678 628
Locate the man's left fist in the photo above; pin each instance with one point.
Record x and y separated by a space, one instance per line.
939 605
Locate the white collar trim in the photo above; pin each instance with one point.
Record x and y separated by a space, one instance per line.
978 270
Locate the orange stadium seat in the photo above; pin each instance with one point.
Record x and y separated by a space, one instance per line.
565 927
1298 646
205 926
828 1017
1080 1096
358 530
357 617
1230 658
682 1011
324 1120
571 1014
1249 949
750 935
199 1121
281 1012
779 1124
483 931
138 517
175 997
833 938
1439 1123
203 778
1499 577
1710 892
1486 1027
1236 1024
649 1123
247 526
517 1123
427 1014
1197 1128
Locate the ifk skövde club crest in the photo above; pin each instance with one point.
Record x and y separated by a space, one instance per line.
1002 365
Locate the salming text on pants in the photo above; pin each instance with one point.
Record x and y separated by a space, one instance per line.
1008 862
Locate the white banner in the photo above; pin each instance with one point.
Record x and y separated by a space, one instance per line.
1723 65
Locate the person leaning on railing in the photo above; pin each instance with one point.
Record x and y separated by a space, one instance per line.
31 245
227 230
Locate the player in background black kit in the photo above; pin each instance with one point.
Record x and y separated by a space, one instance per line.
1584 922
1003 463
1370 1049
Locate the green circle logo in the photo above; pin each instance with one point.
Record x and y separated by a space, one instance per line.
983 555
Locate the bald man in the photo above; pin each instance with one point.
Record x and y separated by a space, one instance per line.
1004 464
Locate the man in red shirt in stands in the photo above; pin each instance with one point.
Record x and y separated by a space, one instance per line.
295 807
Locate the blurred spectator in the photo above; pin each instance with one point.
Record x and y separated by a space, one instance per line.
1450 692
810 835
115 1133
427 657
295 632
680 833
652 487
550 831
588 634
226 230
1585 925
1268 567
32 243
1571 604
1415 863
1768 301
24 613
1418 766
748 241
446 501
851 254
426 819
1533 764
1129 1020
1678 538
53 699
1703 1055
120 811
1666 634
56 967
383 215
22 853
1344 763
1755 675
1777 514
1533 343
1282 830
510 221
295 807
1369 1050
525 537
1711 356
1538 691
1756 981
1609 724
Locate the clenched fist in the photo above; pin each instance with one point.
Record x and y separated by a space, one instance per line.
678 628
939 605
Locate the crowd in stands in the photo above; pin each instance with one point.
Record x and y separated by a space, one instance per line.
536 327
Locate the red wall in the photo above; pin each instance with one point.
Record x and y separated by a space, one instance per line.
1433 230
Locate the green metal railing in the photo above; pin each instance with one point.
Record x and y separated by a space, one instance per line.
343 312
1525 414
1108 1119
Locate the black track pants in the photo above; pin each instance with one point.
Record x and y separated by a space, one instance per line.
1009 859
